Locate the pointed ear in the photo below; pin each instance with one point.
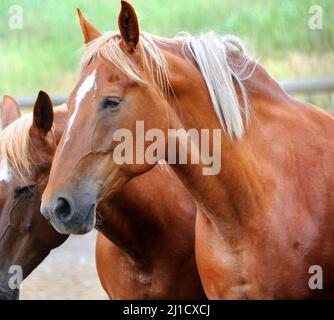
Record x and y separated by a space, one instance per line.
10 111
43 114
128 26
89 31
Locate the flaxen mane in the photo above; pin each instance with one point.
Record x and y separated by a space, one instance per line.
14 143
14 146
210 51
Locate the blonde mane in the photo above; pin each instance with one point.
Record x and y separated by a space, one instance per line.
211 52
14 145
155 66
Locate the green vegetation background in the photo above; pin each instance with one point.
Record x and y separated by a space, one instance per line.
46 52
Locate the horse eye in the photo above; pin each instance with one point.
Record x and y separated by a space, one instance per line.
24 192
112 103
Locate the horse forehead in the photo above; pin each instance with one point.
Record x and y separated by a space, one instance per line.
97 76
107 72
87 84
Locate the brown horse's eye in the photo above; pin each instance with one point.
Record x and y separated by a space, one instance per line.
112 103
24 192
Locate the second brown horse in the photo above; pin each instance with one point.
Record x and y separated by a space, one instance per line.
146 246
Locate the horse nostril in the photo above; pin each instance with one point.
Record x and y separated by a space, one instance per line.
62 209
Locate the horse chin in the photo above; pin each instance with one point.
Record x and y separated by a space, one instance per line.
9 294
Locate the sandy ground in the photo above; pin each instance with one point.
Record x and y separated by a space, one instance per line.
69 272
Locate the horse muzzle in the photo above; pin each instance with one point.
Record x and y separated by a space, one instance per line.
71 215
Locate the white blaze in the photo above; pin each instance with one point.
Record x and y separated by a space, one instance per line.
86 86
5 174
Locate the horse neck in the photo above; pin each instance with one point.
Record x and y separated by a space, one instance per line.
149 225
121 228
130 224
192 108
187 78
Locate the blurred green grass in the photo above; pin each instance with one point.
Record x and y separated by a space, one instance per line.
45 53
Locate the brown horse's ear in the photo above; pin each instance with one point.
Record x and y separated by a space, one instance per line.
128 26
10 111
89 31
43 114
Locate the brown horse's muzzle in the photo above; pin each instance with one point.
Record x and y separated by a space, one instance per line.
71 213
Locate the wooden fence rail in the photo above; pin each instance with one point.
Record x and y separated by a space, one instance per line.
302 86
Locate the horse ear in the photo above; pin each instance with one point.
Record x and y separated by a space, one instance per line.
128 26
10 111
89 31
43 114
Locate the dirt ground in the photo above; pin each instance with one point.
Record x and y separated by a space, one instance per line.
69 272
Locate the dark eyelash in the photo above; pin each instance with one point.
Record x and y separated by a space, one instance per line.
26 191
112 103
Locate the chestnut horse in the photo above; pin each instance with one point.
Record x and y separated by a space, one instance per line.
150 254
266 217
25 236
